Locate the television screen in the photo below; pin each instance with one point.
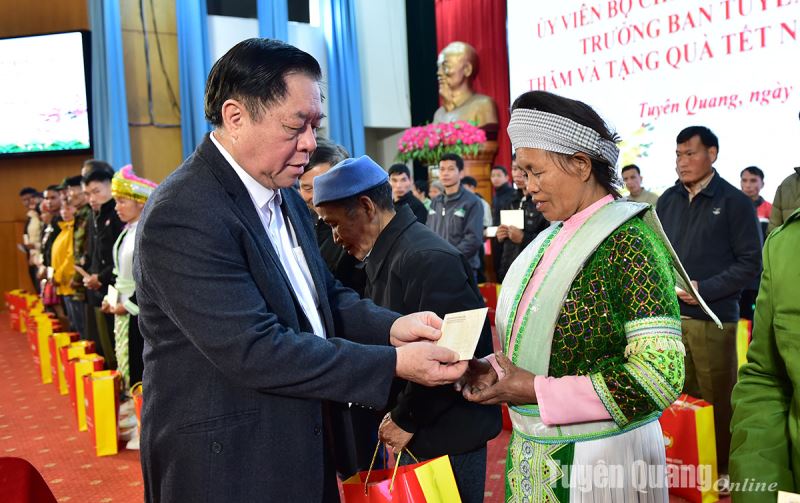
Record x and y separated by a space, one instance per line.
44 94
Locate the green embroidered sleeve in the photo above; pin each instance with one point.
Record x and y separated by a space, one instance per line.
649 375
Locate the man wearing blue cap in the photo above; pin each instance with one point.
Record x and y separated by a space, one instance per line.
410 268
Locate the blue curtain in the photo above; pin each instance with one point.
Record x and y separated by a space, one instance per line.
273 19
345 118
112 142
191 17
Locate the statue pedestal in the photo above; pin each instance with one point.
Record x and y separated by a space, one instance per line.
478 167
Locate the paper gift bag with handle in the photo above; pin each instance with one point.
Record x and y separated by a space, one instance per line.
138 400
57 341
427 481
81 366
101 390
688 428
69 352
744 332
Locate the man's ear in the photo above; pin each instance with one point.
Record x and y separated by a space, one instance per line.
234 115
713 151
368 206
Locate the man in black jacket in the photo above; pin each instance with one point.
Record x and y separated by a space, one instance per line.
715 232
409 268
400 180
102 232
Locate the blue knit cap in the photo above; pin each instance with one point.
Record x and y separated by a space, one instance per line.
348 178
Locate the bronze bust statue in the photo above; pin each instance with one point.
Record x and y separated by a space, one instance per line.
458 65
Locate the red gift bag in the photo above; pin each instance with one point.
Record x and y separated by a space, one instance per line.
429 481
688 428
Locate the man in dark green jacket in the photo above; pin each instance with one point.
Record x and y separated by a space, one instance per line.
765 443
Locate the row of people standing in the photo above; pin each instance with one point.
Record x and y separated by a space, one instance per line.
87 248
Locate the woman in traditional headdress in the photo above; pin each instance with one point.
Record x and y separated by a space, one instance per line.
588 319
130 193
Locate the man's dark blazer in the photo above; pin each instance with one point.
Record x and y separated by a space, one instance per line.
412 269
234 382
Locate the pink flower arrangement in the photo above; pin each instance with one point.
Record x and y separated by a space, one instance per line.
428 143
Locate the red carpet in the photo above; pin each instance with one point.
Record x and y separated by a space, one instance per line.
38 424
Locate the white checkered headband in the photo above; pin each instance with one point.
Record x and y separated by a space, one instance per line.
536 129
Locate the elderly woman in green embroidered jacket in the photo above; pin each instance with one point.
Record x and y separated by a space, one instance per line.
588 320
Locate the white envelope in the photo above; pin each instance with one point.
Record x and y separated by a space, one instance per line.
461 331
513 217
113 296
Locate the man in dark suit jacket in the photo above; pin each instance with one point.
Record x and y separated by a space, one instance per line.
410 268
241 319
401 182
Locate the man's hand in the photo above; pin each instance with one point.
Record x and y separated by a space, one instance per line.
686 296
515 388
92 282
392 435
415 327
427 364
515 234
502 233
479 375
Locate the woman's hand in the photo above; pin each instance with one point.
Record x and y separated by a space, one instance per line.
479 375
515 388
119 309
106 307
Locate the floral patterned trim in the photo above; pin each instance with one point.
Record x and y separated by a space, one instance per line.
653 382
657 325
608 399
521 291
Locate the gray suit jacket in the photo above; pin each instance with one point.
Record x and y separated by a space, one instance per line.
234 382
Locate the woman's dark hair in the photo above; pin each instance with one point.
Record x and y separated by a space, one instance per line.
583 114
254 72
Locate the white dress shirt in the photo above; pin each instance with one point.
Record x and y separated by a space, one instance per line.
283 239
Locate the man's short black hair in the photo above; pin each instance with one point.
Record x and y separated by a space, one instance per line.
73 181
753 170
98 175
254 72
501 168
381 195
707 138
399 169
453 157
28 191
53 187
630 167
326 151
97 164
422 186
468 180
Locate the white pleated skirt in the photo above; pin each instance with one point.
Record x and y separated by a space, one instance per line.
636 463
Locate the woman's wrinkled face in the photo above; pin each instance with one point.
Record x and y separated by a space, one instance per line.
556 190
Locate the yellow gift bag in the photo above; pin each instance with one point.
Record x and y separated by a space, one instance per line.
743 332
57 341
102 402
83 365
